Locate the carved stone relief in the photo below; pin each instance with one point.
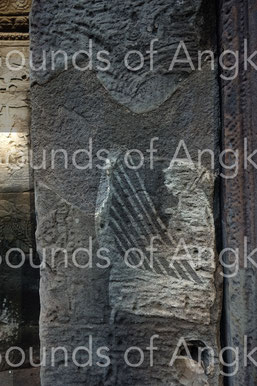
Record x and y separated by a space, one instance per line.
18 6
14 19
15 174
179 268
81 208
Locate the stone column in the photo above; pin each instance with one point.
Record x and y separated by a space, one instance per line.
128 238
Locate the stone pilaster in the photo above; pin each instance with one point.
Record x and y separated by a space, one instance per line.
99 204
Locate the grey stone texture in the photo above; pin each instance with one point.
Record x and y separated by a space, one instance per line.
28 377
113 206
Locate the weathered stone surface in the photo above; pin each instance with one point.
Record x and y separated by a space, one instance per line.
122 307
28 377
15 175
165 23
191 372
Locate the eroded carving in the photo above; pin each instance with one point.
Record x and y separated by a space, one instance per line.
171 249
164 22
118 306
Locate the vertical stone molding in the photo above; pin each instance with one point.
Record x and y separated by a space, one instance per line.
238 28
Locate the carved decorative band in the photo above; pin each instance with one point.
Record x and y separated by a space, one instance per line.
14 36
4 5
8 6
10 24
23 4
